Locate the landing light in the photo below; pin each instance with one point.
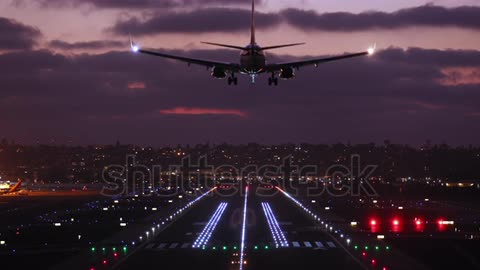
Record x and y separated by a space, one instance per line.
372 49
135 48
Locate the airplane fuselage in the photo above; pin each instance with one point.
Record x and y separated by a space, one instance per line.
253 60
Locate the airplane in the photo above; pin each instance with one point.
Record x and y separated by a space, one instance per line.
8 189
252 60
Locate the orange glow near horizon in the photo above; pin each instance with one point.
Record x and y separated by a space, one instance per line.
137 85
203 111
455 76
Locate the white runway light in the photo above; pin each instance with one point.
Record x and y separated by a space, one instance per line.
207 232
244 225
277 234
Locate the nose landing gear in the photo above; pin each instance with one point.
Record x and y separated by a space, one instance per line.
232 79
273 80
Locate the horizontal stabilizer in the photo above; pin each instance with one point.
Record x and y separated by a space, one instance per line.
226 46
281 46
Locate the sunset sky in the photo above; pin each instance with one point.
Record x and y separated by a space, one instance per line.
67 75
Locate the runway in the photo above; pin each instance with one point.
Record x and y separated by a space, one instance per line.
308 246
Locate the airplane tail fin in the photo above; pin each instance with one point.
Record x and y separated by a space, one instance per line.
16 187
281 46
226 46
252 30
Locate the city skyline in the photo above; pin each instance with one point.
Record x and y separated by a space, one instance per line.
68 76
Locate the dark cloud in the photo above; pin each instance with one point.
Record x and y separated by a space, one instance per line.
17 36
441 58
393 95
140 4
87 45
428 15
203 20
228 20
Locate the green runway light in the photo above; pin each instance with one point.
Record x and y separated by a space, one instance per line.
224 248
366 247
255 247
203 247
93 249
124 249
267 247
103 249
235 247
214 248
114 249
355 247
388 248
377 247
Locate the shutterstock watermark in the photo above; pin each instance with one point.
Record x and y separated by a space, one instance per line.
193 175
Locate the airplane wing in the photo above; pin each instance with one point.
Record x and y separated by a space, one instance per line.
205 63
314 62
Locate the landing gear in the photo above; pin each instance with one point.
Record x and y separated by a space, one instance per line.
273 80
232 80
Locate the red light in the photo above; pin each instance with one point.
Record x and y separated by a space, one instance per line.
92 268
440 222
396 222
104 262
115 255
418 222
384 268
364 254
373 261
373 222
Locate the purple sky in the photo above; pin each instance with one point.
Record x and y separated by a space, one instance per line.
67 75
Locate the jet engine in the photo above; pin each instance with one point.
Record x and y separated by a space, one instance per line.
287 73
219 73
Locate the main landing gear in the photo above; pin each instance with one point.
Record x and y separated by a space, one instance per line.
232 80
273 80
